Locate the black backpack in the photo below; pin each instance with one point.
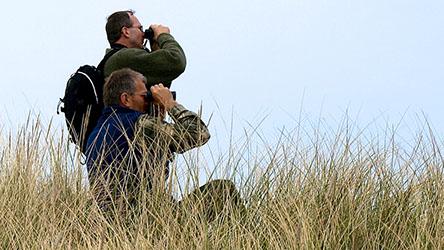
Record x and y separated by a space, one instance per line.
83 101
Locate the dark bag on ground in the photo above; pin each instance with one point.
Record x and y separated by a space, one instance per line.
83 101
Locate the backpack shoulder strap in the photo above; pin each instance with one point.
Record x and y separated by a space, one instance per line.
110 53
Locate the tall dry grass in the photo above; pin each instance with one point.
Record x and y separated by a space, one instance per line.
334 189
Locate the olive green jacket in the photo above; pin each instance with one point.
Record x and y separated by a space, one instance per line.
160 66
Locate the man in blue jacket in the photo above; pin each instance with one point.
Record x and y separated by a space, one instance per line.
129 151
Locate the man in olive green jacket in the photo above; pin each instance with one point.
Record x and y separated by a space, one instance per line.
163 64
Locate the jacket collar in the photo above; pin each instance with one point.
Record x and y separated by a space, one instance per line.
117 46
107 111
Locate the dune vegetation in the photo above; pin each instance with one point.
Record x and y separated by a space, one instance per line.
337 189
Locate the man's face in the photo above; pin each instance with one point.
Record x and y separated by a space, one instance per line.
135 33
137 100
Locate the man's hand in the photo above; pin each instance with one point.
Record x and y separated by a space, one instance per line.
163 96
159 29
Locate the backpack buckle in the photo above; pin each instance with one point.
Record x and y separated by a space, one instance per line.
60 108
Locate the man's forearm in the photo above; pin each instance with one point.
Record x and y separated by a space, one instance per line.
191 131
173 52
188 131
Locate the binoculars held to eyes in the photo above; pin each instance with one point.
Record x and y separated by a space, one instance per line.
149 34
149 96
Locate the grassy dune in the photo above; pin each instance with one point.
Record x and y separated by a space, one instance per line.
336 190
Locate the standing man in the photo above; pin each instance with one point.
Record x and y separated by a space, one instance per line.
164 63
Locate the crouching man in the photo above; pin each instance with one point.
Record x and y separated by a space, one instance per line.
129 151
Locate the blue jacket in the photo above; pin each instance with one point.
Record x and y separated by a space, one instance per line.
117 161
109 143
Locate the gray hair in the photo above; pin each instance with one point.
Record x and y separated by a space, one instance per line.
119 82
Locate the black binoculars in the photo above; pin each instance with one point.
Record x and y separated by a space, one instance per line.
149 34
149 96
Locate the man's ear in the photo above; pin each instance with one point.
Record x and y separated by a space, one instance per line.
124 100
125 32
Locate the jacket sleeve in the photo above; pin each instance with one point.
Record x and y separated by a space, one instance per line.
188 130
172 54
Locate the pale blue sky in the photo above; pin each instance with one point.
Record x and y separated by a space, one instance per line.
377 59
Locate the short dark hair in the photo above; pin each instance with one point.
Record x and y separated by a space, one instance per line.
120 81
116 22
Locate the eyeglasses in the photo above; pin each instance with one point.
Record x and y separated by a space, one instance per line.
142 95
